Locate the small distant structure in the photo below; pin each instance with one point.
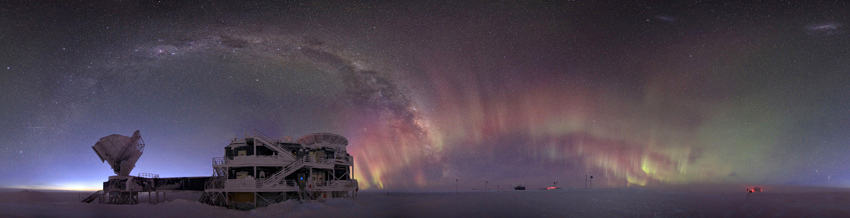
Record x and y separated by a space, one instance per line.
554 186
750 190
519 187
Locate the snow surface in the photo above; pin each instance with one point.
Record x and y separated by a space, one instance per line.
506 203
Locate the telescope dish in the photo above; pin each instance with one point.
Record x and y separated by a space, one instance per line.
122 152
324 140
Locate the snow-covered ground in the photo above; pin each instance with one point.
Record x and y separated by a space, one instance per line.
507 203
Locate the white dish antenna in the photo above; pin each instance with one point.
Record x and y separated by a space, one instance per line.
122 152
324 140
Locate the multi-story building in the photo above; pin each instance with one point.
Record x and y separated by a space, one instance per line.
254 172
257 171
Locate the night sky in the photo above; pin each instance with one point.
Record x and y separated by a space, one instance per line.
507 92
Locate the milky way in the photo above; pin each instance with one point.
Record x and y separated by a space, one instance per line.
434 95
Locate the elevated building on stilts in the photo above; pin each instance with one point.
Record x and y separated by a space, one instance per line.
258 170
255 171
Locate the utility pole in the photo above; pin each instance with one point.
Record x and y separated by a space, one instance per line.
591 182
485 185
456 184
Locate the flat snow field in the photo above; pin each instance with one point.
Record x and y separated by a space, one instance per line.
506 203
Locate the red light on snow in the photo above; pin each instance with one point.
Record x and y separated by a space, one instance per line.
755 189
550 188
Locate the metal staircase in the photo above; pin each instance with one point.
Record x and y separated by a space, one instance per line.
266 140
93 196
306 195
288 169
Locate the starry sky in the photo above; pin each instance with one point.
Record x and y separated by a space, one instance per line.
437 94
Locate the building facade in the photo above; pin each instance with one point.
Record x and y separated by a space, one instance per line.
257 171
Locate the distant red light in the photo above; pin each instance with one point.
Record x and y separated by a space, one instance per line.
754 189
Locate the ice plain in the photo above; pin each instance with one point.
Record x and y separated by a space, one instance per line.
606 202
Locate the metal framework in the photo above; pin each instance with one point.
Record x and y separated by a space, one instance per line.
257 171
